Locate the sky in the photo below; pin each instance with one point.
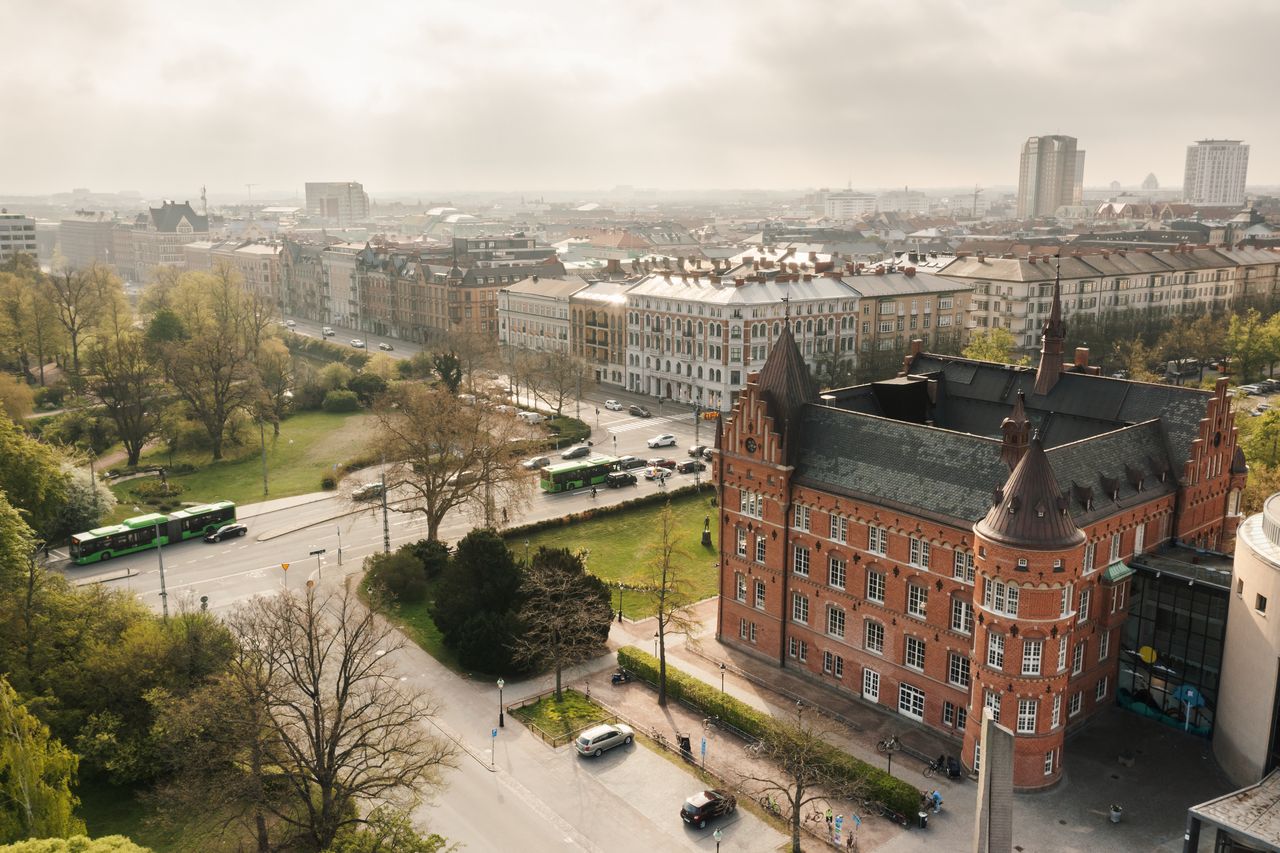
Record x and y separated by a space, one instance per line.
432 96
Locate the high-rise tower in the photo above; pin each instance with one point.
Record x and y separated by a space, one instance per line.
1048 175
1216 171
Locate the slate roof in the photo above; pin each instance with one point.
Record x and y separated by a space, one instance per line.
1126 463
1031 511
165 218
785 385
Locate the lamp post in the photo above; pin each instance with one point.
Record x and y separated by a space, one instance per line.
615 444
262 437
316 553
164 594
655 644
722 668
501 719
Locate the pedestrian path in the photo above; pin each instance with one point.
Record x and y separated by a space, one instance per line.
645 423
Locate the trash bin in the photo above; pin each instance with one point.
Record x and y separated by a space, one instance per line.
1116 811
923 820
686 747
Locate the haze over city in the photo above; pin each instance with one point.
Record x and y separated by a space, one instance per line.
507 96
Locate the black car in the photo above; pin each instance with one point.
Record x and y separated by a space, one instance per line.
703 806
697 450
226 531
626 463
618 479
639 411
691 466
576 452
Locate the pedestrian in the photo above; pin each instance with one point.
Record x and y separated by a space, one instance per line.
593 492
504 515
936 799
829 826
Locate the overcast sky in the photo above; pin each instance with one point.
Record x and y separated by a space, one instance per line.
420 96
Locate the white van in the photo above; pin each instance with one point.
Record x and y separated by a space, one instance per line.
327 331
531 417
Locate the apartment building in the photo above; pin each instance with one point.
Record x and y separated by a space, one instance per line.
86 240
159 235
598 334
340 202
258 262
534 314
1215 172
17 236
1047 175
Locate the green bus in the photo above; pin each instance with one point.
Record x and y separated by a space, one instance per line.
139 533
574 475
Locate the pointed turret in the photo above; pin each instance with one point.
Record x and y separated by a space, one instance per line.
784 381
1055 331
1016 430
1030 511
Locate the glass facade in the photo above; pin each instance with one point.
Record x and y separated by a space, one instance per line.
1171 656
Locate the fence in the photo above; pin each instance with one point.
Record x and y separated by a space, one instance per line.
554 739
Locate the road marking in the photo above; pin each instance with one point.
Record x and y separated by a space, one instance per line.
647 423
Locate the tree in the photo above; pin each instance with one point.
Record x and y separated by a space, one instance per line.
32 477
16 398
473 352
1135 359
399 574
387 831
995 344
833 371
28 322
36 774
476 602
1246 341
275 370
447 455
78 844
80 298
1204 340
1263 482
565 615
87 503
122 376
367 386
449 370
672 593
555 377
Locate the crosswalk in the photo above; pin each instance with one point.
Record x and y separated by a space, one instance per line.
645 423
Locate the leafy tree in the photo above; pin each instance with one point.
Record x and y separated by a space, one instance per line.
387 831
1136 360
476 599
995 344
1263 482
80 299
165 327
78 844
32 477
367 386
399 573
1204 339
672 593
16 398
29 325
433 555
335 376
122 376
87 504
448 368
565 615
341 401
1247 341
276 372
36 775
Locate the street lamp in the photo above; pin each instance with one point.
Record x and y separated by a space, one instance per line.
722 668
655 644
718 834
501 720
316 553
164 595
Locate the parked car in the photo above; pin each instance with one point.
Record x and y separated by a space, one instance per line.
691 466
385 347
653 472
618 479
226 531
462 478
290 323
1248 390
660 462
367 492
357 343
597 739
327 332
705 805
697 450
531 417
664 440
536 463
639 411
613 405
707 453
626 463
576 452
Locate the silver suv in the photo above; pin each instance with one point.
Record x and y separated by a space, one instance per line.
595 740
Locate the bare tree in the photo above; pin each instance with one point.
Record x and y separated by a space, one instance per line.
566 613
474 351
672 593
77 300
448 455
554 377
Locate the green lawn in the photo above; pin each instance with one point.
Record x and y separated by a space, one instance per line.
113 810
620 543
308 447
415 621
560 719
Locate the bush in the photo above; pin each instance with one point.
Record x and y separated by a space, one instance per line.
399 573
149 489
51 396
367 386
433 554
568 429
328 483
341 401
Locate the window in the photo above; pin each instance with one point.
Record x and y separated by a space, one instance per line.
958 669
1104 645
753 632
835 621
798 649
871 685
760 594
740 582
877 539
1260 603
1139 538
1048 763
750 503
911 701
995 651
1027 716
760 549
836 573
1117 598
991 699
839 528
962 569
917 600
1031 656
801 561
1000 597
742 628
1066 600
1077 658
1057 711
962 717
948 714
833 664
742 542
874 637
977 757
914 657
961 616
919 553
799 608
1115 547
1090 551
800 518
875 587
1101 692
1062 654
1083 612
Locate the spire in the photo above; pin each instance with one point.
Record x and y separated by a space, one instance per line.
1016 430
1051 338
784 382
1029 510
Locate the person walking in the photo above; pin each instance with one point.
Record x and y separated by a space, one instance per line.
935 799
593 492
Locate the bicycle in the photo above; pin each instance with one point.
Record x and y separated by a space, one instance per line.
939 764
658 738
889 743
712 722
755 748
815 816
770 804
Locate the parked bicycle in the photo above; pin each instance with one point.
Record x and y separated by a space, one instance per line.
938 765
889 743
756 747
658 737
770 804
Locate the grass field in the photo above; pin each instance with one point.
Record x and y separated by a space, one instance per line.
308 447
414 619
560 719
112 810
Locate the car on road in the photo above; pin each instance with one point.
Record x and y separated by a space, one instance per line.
576 452
385 347
664 440
597 739
618 479
290 323
660 462
706 454
705 805
697 450
462 478
531 417
639 411
613 405
536 463
367 492
327 332
227 531
357 343
626 463
653 472
691 466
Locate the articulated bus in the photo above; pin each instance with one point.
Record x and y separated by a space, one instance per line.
574 475
139 533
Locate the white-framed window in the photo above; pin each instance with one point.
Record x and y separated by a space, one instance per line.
871 685
911 701
962 568
875 586
873 637
961 616
977 757
919 553
742 542
800 517
740 586
1065 607
752 632
760 590
760 549
1048 763
1082 613
877 540
917 600
1077 658
833 664
751 503
1062 653
742 628
798 649
914 653
1057 711
799 608
1027 716
839 528
1139 537
1101 692
948 714
958 669
836 572
1090 552
1115 547
1117 597
991 699
835 621
800 561
995 651
1000 597
1031 650
1104 645
962 717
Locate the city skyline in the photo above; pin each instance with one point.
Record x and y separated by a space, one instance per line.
549 97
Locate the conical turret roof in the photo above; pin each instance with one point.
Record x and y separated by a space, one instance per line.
1029 510
784 381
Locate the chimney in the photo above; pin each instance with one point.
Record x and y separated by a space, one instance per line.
909 271
982 257
738 282
808 277
916 345
1082 357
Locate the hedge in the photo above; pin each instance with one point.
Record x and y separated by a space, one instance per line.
323 350
568 430
682 687
588 514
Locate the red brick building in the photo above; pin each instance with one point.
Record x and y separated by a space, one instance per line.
955 538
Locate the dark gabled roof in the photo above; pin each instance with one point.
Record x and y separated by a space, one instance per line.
166 217
785 385
1126 463
1030 510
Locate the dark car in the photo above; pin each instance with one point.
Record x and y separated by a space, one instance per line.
691 466
385 347
639 411
576 452
703 806
626 463
226 531
659 462
697 450
618 479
